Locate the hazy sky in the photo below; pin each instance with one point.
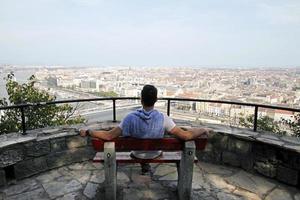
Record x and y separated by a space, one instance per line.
150 32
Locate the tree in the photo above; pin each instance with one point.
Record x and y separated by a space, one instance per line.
264 123
293 125
36 116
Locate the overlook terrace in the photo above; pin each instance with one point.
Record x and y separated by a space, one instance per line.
62 151
238 164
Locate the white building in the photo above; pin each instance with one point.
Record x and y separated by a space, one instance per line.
65 82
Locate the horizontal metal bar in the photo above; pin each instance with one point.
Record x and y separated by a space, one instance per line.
234 103
165 98
92 99
67 101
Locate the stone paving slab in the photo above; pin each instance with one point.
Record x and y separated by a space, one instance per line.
255 184
90 190
246 194
145 193
279 194
61 186
84 181
34 194
97 176
166 172
217 169
73 196
48 176
297 196
22 187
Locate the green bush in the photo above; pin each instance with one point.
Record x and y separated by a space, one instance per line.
294 125
264 123
36 116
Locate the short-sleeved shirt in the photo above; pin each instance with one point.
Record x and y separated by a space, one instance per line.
168 123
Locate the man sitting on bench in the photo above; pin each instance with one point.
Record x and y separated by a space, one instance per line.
146 122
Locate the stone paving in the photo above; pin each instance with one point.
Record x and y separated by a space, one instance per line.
85 181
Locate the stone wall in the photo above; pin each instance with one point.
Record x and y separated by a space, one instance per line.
41 150
44 149
270 155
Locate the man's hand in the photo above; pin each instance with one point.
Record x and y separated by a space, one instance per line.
104 135
201 131
82 132
207 131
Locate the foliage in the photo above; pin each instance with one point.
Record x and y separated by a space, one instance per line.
264 123
36 116
294 125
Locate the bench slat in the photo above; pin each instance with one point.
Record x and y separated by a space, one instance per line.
131 144
124 157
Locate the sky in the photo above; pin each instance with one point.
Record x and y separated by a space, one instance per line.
233 33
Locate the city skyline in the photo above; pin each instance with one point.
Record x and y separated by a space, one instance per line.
170 33
30 66
275 87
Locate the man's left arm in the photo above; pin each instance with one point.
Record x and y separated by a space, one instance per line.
104 135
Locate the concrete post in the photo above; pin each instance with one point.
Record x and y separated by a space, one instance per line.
185 176
110 171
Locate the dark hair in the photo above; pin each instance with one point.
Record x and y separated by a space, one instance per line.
149 95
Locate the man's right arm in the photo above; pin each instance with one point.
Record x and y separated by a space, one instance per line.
104 135
189 134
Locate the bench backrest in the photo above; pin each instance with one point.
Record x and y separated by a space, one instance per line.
164 144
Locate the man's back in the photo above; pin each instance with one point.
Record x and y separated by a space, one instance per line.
143 124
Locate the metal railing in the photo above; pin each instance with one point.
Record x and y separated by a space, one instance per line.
169 100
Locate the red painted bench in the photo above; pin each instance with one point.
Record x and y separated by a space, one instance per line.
174 151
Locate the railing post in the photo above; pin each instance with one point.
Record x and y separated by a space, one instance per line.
23 120
255 119
114 111
168 107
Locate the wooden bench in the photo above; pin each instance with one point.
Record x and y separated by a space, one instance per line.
174 151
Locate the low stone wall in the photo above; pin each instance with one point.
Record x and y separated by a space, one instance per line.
267 154
41 150
44 149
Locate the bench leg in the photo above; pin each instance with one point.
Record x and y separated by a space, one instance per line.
185 174
110 171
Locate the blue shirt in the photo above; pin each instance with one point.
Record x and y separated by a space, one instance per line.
143 124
